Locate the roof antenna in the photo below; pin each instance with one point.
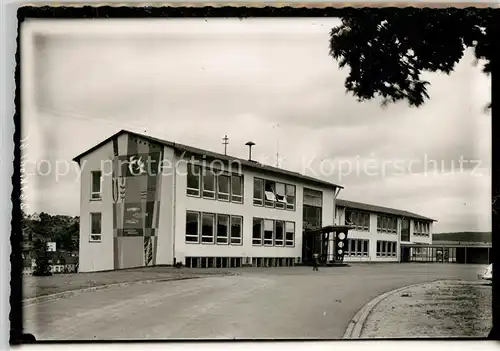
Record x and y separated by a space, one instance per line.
250 144
225 142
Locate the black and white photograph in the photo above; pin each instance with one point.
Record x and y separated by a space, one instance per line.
236 177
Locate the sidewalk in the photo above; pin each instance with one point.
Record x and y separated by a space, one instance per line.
438 309
58 283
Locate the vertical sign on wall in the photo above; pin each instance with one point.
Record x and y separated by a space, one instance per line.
135 191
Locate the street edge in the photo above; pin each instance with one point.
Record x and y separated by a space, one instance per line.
355 326
65 294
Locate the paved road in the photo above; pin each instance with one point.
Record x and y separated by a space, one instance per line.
259 303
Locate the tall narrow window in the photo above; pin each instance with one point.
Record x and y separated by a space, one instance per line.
405 230
222 229
96 190
394 248
290 197
379 248
279 233
280 196
192 227
95 226
258 226
236 230
269 193
193 180
268 232
290 234
208 184
237 188
365 247
258 192
223 187
207 228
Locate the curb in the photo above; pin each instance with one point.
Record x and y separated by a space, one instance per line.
65 294
355 327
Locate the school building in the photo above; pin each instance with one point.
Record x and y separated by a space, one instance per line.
146 201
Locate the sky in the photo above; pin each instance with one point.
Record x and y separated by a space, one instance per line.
270 81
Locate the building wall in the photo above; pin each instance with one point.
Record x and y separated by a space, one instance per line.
96 256
248 211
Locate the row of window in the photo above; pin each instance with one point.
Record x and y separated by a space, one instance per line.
360 220
270 232
273 194
386 248
210 228
421 228
387 224
209 184
357 248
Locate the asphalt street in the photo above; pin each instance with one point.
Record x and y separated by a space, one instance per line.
259 303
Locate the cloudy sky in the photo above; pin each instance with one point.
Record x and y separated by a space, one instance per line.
267 80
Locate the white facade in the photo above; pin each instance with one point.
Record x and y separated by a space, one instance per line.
172 246
373 234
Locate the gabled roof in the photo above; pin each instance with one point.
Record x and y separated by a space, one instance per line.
201 152
380 209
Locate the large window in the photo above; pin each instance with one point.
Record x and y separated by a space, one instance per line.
290 234
207 228
357 247
214 185
360 220
386 224
96 189
237 188
279 233
386 248
405 230
193 180
273 232
223 187
258 227
273 194
421 228
192 227
268 232
95 226
222 229
236 230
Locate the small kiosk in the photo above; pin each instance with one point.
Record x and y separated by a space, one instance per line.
328 242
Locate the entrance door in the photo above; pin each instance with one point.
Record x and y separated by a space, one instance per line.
405 254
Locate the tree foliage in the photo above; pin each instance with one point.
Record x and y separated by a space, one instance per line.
387 50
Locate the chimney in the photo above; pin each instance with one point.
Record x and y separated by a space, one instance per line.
250 144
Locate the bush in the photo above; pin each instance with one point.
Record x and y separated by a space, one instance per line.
42 267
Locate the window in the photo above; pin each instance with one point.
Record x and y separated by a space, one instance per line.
272 194
237 188
313 197
280 196
192 227
96 190
258 226
290 234
258 192
279 233
360 220
207 228
209 184
269 193
268 232
222 229
386 248
193 180
290 197
236 230
95 226
223 182
405 230
357 248
387 224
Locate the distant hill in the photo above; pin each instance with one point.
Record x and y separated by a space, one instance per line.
477 237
